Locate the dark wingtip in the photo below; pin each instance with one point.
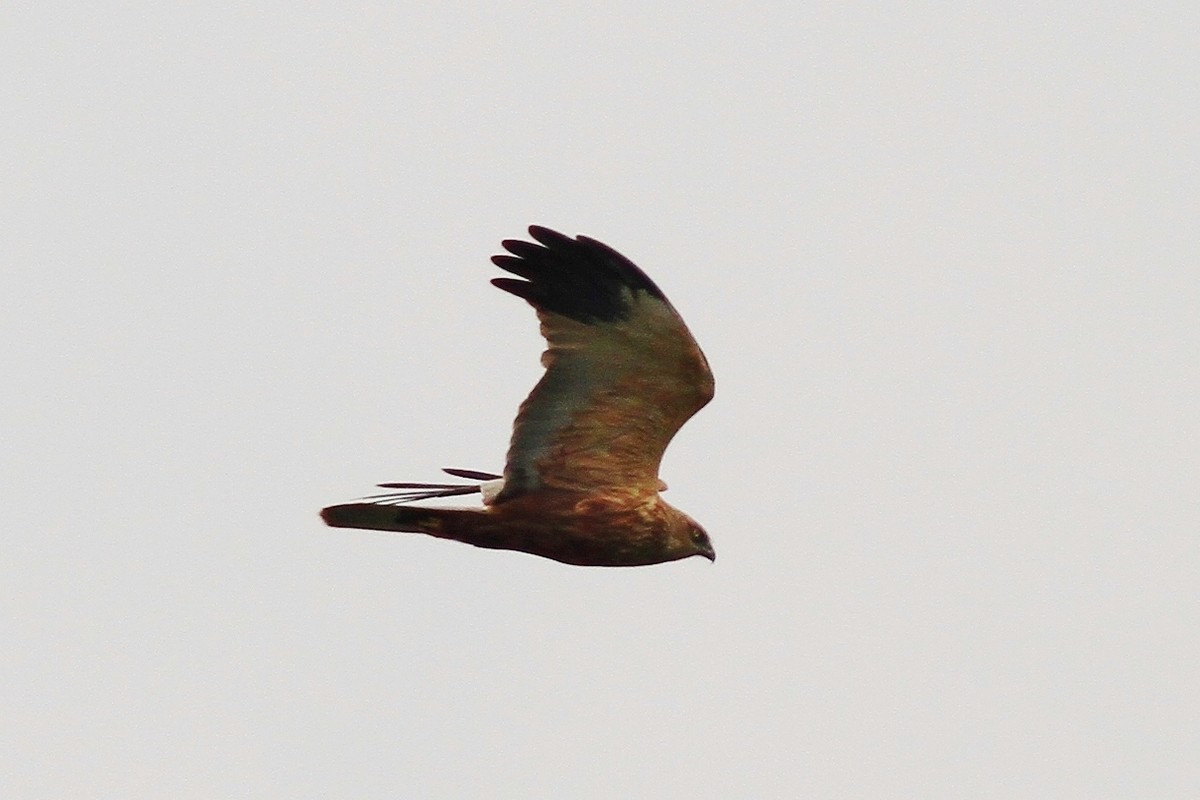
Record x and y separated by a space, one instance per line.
580 277
471 474
551 238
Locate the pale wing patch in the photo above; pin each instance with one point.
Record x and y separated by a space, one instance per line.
613 396
578 366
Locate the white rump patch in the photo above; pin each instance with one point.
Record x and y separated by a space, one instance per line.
490 489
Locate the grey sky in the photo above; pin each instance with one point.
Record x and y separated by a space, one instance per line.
943 261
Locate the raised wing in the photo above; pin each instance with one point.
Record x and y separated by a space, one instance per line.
623 372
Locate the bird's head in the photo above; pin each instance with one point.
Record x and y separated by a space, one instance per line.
687 538
701 542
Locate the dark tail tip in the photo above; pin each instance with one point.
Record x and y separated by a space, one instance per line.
378 517
335 516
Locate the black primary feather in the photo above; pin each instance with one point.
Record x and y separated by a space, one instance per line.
471 474
429 491
579 278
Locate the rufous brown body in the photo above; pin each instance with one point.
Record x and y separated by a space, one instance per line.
581 484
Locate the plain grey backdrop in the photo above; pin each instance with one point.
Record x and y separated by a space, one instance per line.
942 258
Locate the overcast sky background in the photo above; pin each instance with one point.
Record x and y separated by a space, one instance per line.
943 260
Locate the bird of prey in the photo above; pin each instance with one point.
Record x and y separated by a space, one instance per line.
580 483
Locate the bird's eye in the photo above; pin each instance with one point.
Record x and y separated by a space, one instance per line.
697 536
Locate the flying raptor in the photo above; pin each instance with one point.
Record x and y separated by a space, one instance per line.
580 484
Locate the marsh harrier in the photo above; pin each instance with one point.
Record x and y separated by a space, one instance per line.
581 481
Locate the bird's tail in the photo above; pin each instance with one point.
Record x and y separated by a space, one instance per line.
477 526
372 516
